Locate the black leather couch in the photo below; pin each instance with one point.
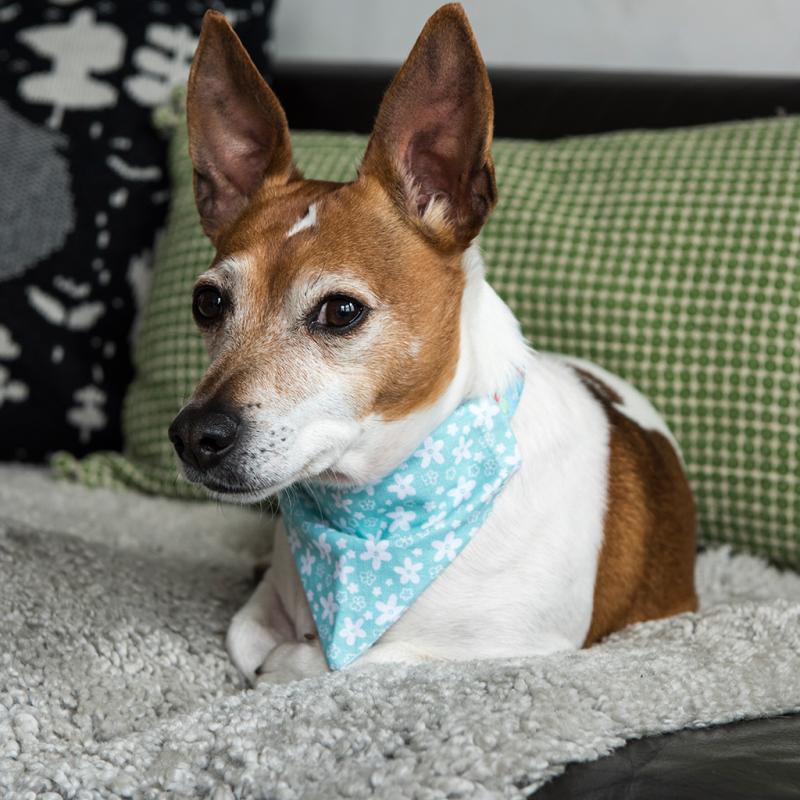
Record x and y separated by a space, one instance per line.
757 759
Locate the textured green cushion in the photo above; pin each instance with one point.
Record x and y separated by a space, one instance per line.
671 258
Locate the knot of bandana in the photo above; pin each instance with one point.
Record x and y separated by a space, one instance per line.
365 554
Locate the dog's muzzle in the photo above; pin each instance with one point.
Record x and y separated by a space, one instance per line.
203 436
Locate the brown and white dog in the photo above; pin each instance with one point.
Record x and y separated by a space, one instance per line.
346 321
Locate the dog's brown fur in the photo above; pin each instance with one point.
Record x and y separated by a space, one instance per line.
646 565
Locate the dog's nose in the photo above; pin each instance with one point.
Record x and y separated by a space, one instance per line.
201 437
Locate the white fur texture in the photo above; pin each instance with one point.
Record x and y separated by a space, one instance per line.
308 220
525 583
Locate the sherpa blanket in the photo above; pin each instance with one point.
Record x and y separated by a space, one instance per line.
114 681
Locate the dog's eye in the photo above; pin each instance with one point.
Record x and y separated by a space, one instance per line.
207 304
339 313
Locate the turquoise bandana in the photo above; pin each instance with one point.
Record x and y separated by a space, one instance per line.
365 555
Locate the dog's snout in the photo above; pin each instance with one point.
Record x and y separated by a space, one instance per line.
202 437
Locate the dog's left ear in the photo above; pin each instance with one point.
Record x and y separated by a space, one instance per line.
431 145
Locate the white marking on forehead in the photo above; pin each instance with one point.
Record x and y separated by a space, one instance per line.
307 221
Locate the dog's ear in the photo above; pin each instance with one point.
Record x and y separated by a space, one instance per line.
431 145
238 136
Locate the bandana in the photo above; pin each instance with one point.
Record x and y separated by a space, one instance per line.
365 554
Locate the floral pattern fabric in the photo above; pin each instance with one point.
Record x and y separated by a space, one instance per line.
366 554
83 193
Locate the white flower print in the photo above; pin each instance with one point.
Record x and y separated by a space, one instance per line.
341 596
402 486
435 521
341 543
409 572
406 594
430 506
323 547
400 519
340 501
294 540
367 578
446 548
483 412
462 491
358 603
352 630
488 490
462 451
478 457
377 591
430 477
390 611
329 607
352 588
376 551
431 451
450 474
306 563
405 541
452 429
342 570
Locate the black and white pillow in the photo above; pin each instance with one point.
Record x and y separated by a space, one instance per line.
83 192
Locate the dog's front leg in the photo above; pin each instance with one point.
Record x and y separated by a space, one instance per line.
273 637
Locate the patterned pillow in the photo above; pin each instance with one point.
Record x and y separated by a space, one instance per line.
83 190
668 257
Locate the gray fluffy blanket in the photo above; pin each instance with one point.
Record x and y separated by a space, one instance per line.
114 680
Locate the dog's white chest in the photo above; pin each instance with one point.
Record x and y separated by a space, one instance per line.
525 583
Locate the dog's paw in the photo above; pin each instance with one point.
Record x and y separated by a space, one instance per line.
292 661
249 642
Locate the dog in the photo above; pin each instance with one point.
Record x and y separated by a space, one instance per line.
447 493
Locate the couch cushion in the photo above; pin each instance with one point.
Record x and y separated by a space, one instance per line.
668 257
83 192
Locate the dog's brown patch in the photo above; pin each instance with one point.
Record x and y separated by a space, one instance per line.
646 564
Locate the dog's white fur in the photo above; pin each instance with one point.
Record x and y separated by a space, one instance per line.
527 576
308 220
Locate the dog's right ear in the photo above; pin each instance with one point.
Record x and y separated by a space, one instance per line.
238 136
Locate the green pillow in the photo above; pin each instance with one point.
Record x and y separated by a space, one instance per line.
670 258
